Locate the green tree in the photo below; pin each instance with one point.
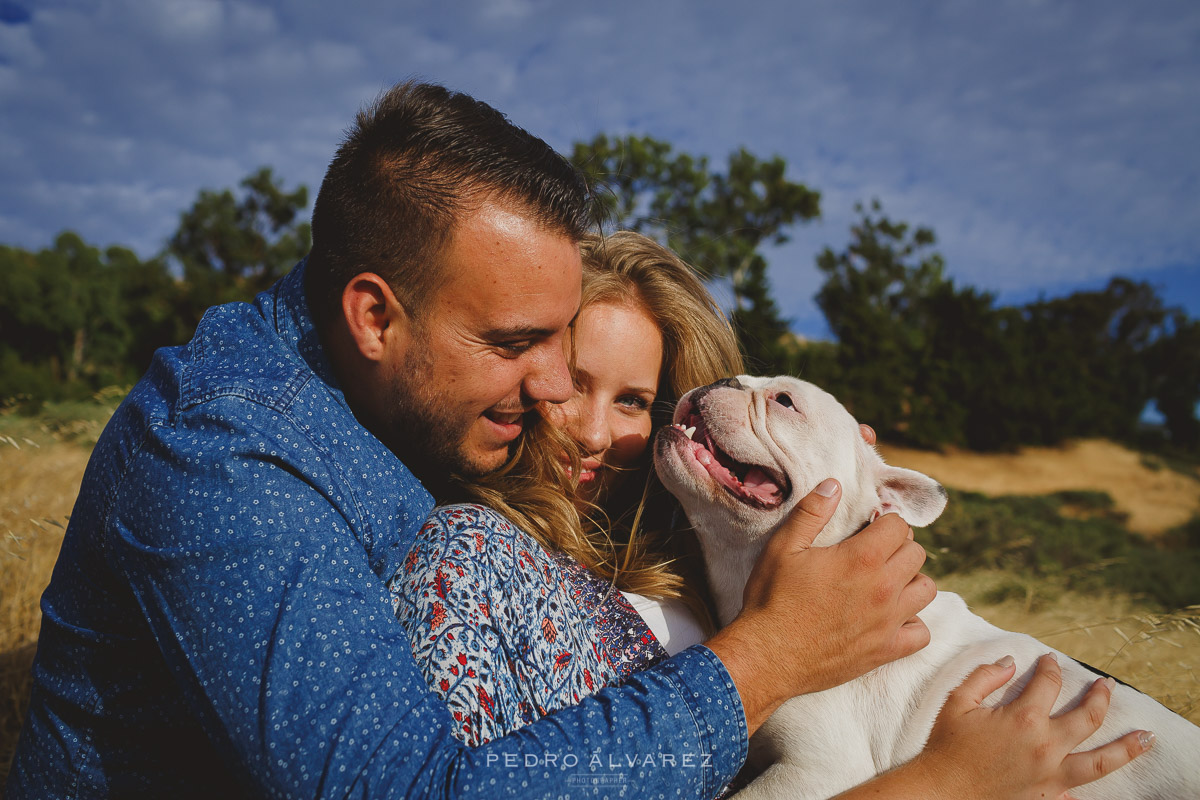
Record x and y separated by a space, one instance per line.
875 302
1088 371
926 361
717 221
231 247
1175 369
73 319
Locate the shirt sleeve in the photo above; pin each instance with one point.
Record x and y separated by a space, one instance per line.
245 562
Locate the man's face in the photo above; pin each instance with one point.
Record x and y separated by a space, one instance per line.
490 345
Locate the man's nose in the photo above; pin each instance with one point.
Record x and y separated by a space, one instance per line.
550 379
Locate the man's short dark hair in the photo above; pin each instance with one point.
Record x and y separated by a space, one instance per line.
410 164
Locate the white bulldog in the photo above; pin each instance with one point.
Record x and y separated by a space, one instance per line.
741 454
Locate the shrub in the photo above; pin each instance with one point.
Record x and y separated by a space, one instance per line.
1076 537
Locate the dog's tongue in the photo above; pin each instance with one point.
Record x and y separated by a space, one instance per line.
757 483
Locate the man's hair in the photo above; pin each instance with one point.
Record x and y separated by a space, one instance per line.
412 163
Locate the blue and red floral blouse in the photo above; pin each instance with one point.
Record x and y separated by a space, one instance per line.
507 632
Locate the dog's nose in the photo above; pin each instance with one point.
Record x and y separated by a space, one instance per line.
732 383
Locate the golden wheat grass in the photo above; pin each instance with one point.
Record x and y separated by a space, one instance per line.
40 472
42 462
1155 652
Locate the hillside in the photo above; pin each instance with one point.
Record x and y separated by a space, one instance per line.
1155 497
42 463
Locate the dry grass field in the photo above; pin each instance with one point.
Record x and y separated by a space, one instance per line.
40 472
1155 498
42 463
1157 652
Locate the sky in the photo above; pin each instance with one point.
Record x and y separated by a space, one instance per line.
1050 145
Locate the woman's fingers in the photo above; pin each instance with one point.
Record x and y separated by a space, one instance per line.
982 681
1043 688
1081 768
1085 719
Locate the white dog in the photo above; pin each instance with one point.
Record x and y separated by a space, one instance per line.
741 454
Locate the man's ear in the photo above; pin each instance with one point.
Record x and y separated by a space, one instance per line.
917 498
375 319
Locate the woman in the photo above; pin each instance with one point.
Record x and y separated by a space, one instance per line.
511 603
572 570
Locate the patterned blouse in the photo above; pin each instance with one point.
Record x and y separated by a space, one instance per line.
507 632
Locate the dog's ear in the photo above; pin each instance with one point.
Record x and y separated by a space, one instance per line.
917 498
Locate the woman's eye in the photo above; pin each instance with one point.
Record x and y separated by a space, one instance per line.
634 403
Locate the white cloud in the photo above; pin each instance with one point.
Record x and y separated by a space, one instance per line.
1046 143
176 20
506 10
18 49
252 21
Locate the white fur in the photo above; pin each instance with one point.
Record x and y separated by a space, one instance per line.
818 745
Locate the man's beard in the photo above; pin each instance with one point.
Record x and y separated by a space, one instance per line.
429 440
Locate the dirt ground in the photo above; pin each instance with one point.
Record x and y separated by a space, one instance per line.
1155 498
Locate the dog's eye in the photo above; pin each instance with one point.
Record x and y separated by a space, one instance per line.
784 400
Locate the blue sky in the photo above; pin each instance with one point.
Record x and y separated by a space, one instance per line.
1050 145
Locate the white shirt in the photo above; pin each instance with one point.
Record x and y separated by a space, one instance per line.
671 622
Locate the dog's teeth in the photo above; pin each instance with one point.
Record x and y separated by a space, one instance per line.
689 431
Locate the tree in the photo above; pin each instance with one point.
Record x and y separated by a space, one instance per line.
1175 369
1087 366
716 221
73 319
875 302
232 247
934 364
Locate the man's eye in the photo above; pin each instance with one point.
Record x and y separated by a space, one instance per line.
513 349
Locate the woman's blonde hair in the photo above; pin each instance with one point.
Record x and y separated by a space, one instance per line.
638 541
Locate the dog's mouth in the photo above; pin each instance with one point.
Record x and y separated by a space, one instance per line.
754 484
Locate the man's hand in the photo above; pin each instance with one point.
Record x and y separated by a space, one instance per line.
816 617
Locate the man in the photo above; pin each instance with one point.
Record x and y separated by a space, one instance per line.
217 624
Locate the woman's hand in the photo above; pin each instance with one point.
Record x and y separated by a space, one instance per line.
1019 750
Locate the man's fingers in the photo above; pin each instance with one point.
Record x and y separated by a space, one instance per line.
908 558
1044 687
912 636
809 517
1085 719
982 681
884 536
1081 768
914 597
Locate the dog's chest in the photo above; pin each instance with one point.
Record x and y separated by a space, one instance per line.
830 741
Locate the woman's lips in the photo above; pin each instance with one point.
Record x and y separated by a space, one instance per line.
588 469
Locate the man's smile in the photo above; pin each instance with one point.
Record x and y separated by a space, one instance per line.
506 425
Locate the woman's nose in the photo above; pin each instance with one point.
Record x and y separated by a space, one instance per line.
590 430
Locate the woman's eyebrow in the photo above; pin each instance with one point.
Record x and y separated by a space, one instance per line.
583 376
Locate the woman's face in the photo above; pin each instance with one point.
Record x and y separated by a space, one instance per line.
618 358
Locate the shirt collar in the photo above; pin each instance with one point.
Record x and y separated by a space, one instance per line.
287 304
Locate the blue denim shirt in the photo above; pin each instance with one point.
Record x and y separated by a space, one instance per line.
217 623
